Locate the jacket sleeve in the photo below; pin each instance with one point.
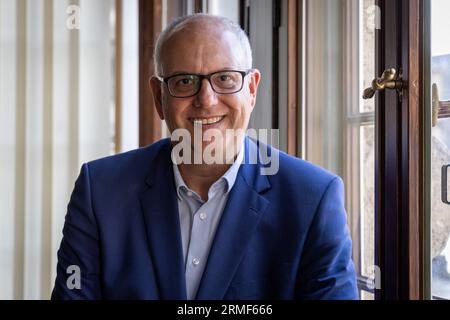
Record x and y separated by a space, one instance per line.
78 266
326 269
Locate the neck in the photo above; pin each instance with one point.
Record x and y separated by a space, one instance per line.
200 177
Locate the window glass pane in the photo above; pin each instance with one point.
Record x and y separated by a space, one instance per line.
369 23
367 183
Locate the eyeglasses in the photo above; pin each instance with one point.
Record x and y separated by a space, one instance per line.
188 85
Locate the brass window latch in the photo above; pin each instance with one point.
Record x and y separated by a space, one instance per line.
388 80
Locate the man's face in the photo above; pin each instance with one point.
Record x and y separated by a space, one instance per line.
202 48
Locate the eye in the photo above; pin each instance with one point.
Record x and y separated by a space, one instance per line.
226 81
225 77
185 81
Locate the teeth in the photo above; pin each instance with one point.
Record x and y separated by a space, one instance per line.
207 121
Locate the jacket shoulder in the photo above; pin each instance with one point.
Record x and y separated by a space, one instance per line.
299 170
130 163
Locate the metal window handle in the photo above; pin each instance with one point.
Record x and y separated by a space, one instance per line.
388 80
444 184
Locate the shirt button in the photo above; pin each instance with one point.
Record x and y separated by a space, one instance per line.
195 261
202 216
189 194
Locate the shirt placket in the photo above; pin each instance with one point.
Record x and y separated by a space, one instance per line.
198 247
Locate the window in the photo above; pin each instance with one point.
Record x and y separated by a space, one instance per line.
339 126
439 156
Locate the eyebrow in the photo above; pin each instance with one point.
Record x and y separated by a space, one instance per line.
186 72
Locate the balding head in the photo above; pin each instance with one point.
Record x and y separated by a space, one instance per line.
203 25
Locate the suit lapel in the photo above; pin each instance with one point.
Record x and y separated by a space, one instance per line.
239 220
160 209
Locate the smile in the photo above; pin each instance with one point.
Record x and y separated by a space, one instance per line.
207 121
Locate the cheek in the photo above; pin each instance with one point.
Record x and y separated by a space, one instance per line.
174 111
240 113
245 103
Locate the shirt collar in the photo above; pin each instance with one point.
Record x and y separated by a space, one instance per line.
179 182
229 176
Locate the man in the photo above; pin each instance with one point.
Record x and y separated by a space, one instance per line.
145 225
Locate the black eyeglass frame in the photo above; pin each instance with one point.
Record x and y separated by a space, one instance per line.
201 77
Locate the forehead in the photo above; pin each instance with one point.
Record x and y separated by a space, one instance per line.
201 47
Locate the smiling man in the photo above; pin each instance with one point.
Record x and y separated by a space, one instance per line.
141 225
205 79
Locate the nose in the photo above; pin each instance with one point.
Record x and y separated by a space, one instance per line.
206 97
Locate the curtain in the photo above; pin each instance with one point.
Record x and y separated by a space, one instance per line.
57 111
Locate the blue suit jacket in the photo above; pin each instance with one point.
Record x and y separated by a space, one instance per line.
280 237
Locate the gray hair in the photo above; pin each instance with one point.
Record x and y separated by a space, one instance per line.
227 23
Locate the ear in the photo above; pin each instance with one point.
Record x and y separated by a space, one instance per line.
155 87
255 77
